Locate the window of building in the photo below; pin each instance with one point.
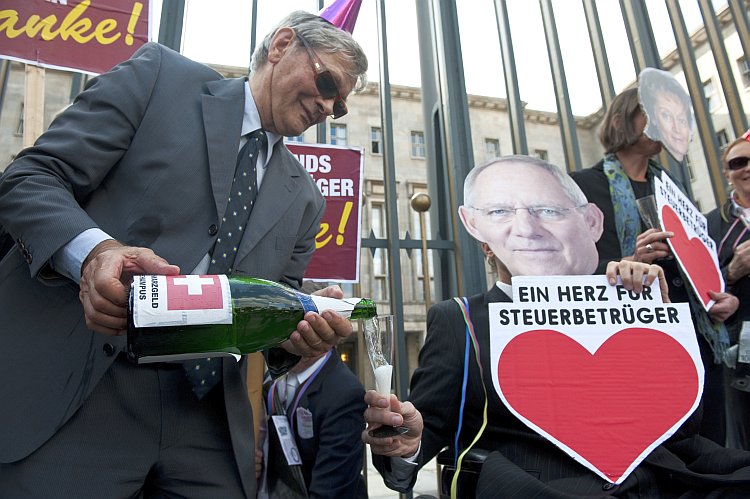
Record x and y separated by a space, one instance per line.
689 164
722 138
338 134
19 126
712 95
541 154
295 139
379 262
376 140
417 145
491 149
744 68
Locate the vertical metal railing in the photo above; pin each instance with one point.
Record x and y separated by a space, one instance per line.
700 106
515 108
170 26
723 67
393 242
599 50
564 112
441 223
738 8
459 157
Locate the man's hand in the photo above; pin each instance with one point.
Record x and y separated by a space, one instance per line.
105 282
636 275
318 333
384 411
726 304
652 245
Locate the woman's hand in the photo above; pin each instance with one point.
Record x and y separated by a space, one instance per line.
652 245
725 305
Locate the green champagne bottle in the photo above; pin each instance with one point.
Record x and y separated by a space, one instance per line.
173 318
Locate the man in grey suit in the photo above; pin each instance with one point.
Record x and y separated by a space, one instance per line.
134 178
536 221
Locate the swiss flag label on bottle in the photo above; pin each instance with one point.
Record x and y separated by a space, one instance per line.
181 300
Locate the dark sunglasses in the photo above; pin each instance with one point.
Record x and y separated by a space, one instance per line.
325 83
738 163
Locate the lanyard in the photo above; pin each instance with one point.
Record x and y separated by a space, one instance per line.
273 398
736 241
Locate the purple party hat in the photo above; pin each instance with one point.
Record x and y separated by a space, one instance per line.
342 14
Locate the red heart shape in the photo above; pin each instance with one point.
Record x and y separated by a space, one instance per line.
608 407
693 256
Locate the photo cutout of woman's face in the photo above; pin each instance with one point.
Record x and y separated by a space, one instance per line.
668 111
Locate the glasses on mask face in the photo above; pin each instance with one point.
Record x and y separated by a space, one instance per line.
503 214
324 82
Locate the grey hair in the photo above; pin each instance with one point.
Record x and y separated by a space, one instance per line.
324 37
568 185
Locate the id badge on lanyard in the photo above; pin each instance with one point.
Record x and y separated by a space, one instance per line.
286 438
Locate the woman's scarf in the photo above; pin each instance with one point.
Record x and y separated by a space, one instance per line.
627 219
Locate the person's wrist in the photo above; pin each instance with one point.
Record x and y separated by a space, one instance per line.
413 453
733 273
100 248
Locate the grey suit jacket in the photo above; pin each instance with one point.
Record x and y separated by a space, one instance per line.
146 153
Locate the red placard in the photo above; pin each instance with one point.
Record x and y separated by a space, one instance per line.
90 36
337 171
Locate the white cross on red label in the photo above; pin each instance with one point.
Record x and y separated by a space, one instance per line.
181 300
192 292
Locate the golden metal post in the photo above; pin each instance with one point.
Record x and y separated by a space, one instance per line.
421 202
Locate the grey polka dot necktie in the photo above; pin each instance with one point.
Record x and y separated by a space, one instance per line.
204 374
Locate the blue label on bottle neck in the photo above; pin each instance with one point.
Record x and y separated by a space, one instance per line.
307 303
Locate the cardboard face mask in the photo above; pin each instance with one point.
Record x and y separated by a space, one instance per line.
668 111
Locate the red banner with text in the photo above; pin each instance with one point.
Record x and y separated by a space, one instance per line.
337 171
89 36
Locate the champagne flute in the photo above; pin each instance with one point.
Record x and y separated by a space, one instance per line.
379 333
650 214
647 210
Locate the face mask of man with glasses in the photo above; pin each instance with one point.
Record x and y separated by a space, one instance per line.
533 216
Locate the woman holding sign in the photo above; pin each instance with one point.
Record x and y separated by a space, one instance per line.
728 226
617 185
